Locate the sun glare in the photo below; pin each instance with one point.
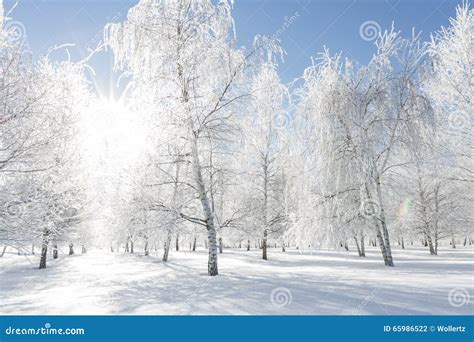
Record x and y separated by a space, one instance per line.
113 132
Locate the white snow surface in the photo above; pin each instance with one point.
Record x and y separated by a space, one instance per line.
322 282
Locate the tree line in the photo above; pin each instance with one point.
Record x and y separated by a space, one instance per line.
346 155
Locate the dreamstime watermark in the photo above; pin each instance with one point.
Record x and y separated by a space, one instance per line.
281 297
198 291
287 22
194 208
97 38
14 209
23 288
367 299
103 294
369 208
103 300
459 121
46 330
16 32
303 3
369 30
458 297
12 213
281 120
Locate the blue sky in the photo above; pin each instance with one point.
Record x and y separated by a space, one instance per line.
314 24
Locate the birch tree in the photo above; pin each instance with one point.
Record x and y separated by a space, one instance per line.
264 144
183 52
41 102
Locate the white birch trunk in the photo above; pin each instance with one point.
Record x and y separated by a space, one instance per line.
208 214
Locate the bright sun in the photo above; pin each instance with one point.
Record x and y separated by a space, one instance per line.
113 132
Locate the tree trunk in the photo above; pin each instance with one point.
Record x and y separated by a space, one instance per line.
194 244
146 248
220 245
212 262
44 253
208 214
3 251
283 247
430 244
55 251
383 222
71 249
362 245
381 243
177 242
403 243
84 250
131 246
357 245
453 242
33 249
264 245
166 247
382 230
248 245
44 249
379 231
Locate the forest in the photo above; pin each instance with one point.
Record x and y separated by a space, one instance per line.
208 151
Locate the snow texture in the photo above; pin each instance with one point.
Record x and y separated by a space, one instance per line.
323 282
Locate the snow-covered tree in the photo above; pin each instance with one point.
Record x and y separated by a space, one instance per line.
41 106
263 147
182 52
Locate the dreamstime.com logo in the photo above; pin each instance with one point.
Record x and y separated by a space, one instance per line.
369 30
16 32
46 330
458 297
280 297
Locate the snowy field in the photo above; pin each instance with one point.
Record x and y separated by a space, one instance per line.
321 283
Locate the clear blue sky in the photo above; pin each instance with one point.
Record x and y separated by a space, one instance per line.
318 23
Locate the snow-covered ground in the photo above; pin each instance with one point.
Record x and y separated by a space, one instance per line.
322 282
